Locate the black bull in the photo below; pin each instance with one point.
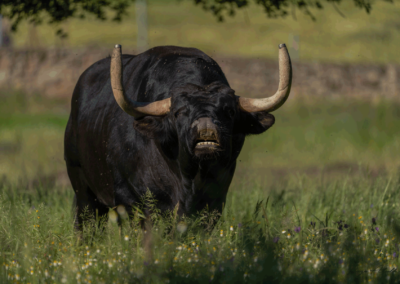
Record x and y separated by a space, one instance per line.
185 155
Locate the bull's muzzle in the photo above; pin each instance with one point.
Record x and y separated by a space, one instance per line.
207 134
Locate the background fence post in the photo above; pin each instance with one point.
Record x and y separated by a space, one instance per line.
1 30
142 27
294 46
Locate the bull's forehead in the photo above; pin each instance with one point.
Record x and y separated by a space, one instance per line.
200 98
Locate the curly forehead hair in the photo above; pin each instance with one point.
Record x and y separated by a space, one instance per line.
213 87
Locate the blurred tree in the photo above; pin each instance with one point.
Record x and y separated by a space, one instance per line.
276 8
56 11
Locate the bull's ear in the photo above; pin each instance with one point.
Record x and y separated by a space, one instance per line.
255 122
149 126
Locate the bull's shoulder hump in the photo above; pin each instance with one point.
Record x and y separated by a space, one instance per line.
170 50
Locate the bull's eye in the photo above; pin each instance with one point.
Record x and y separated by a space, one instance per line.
229 112
179 112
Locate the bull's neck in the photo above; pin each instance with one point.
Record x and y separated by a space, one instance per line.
205 184
198 183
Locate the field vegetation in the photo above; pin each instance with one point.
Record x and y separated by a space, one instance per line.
314 199
350 35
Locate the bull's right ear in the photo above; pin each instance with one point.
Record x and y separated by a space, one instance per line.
255 122
149 126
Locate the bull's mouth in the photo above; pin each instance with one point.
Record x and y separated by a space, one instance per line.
202 144
207 149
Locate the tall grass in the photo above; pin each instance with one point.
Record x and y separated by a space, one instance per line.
304 231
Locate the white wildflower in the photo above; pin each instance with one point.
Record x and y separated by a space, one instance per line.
181 227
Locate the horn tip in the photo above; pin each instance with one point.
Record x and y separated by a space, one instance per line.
118 46
282 45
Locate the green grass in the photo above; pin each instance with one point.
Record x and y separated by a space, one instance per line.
246 245
328 133
323 162
358 37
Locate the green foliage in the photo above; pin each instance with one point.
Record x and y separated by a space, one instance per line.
56 11
274 8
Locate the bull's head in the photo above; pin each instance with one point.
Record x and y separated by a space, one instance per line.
207 121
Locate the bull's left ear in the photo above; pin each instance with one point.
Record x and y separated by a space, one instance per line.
149 126
255 122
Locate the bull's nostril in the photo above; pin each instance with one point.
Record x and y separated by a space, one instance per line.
207 134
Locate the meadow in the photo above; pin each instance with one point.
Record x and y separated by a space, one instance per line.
314 199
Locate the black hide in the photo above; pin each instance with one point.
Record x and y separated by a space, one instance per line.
113 159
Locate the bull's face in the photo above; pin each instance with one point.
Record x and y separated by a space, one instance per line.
208 119
204 122
204 119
